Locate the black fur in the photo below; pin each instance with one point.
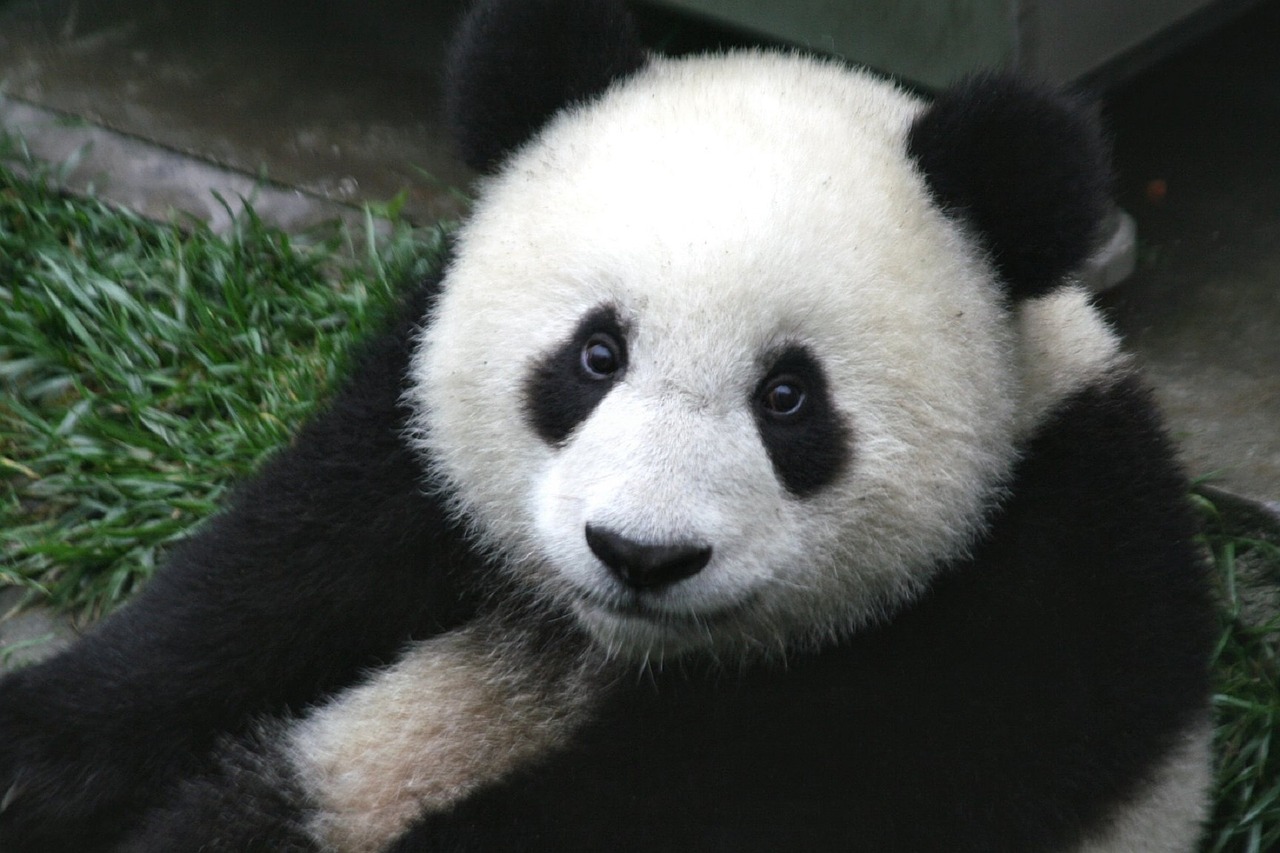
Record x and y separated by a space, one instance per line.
1030 691
1033 687
559 394
247 802
810 449
326 562
247 798
1025 167
514 63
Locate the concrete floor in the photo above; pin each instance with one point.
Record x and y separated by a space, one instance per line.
334 103
296 103
1203 309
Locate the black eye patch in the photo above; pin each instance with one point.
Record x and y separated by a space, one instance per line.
807 440
565 386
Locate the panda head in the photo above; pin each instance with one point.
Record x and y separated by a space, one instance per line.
726 355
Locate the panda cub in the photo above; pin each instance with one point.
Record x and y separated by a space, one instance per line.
752 477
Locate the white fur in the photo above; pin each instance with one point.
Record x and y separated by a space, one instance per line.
725 206
1167 816
1064 347
453 713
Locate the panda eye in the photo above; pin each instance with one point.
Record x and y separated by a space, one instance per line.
783 397
601 356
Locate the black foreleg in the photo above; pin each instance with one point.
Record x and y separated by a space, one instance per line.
325 563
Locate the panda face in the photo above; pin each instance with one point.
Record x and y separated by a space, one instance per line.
710 369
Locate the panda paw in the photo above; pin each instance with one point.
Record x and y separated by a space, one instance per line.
246 800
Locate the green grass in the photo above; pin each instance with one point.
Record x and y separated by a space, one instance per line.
1247 691
144 367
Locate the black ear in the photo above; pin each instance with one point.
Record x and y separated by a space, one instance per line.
514 63
1026 167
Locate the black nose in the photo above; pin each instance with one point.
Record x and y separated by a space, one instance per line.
642 566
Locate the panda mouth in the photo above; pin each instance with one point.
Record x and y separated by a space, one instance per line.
634 606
